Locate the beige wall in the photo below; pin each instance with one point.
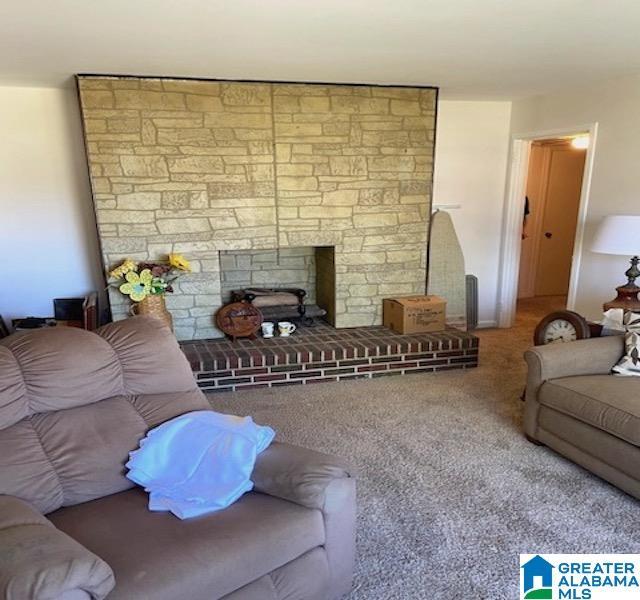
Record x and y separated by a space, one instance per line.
615 184
471 161
47 230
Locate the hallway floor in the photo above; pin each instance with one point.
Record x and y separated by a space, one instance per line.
533 309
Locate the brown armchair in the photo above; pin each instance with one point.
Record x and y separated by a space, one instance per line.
578 408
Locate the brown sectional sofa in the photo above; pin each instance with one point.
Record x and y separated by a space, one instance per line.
576 407
73 404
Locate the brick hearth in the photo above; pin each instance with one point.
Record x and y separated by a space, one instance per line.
322 354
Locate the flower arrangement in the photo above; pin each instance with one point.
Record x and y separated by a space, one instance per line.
140 280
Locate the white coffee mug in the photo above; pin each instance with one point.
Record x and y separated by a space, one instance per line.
286 328
267 329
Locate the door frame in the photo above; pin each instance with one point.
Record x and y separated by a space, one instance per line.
512 218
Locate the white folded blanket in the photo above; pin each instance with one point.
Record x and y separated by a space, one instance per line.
199 462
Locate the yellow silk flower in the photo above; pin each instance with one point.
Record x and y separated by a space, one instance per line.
177 261
137 287
120 271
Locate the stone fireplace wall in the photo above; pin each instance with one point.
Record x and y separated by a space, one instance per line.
200 167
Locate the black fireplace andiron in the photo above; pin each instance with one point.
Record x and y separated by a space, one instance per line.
280 303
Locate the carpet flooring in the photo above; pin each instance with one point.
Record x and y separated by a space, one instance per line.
449 490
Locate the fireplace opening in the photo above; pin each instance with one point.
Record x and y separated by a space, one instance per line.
285 283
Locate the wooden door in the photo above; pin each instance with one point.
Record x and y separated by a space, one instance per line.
558 231
535 190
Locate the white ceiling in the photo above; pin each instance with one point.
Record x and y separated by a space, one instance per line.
470 48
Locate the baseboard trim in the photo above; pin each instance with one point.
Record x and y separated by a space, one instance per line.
487 324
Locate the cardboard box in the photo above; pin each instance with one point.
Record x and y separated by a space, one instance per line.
414 314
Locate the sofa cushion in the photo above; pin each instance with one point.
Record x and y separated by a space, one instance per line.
607 402
158 408
13 393
156 555
64 457
88 447
305 578
150 357
73 404
25 470
57 368
38 561
63 367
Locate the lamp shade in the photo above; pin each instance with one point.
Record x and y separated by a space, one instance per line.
618 234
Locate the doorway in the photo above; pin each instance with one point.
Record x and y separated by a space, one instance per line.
550 263
551 206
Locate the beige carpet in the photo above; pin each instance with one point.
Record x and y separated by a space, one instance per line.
450 492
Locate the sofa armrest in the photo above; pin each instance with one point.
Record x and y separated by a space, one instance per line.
594 356
39 561
317 481
297 474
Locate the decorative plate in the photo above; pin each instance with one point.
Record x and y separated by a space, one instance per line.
239 319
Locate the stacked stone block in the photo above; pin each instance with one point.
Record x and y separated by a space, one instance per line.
201 167
353 170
